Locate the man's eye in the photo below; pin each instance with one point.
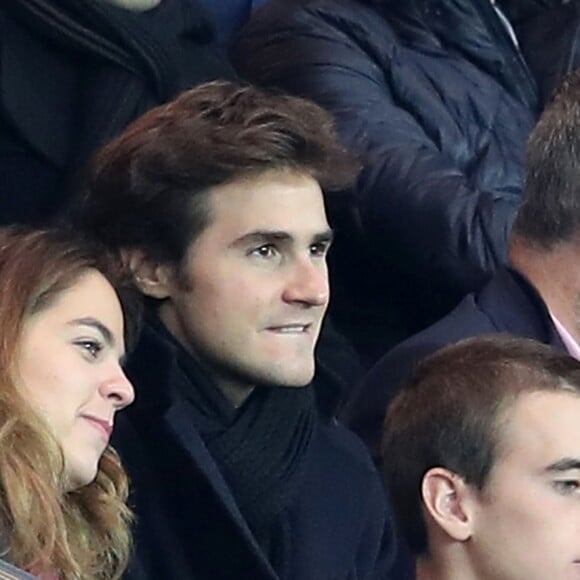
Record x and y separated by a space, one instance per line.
320 249
91 347
265 251
567 486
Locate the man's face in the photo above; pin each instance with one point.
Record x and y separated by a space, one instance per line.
527 523
257 282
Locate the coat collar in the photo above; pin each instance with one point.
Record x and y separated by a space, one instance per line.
515 306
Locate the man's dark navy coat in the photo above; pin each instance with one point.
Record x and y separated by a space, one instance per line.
507 304
188 523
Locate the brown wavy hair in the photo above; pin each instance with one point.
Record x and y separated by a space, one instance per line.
79 534
149 188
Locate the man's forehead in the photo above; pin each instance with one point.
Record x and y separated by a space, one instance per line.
540 428
284 202
267 183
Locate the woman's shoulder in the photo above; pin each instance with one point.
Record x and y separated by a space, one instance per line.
10 572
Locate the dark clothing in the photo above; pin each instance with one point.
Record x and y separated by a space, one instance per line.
190 455
75 73
229 16
438 101
508 303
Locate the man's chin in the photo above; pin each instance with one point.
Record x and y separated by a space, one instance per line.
295 379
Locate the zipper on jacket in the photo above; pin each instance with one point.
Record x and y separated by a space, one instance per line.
524 86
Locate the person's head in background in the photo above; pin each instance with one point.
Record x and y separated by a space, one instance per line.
215 201
62 339
545 240
481 451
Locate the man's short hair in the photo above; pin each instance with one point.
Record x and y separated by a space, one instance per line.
148 188
450 415
550 210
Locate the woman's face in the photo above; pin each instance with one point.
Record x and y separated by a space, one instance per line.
69 370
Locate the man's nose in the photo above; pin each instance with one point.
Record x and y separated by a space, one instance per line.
308 283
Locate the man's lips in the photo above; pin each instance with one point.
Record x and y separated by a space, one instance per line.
291 328
104 426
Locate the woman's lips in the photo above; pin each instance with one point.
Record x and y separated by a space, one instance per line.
104 426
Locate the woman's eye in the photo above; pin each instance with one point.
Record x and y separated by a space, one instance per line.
91 347
567 486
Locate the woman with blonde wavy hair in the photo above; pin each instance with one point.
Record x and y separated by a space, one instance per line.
62 339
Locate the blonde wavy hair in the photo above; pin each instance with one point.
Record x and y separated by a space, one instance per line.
79 534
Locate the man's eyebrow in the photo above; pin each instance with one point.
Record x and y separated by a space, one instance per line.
565 464
265 236
97 325
262 236
325 236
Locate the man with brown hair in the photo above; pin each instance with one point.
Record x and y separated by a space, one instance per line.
215 203
482 454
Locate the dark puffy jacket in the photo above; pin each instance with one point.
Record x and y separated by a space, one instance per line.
229 16
438 101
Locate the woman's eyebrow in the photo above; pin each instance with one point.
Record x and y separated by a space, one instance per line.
565 464
97 325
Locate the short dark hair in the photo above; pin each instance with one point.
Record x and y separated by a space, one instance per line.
148 188
550 210
450 415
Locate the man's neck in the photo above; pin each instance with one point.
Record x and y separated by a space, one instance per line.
235 393
430 569
451 567
234 390
555 275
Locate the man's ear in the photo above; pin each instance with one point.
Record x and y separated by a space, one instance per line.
151 277
448 501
